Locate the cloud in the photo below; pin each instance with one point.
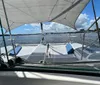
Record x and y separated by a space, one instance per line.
35 24
82 22
99 23
27 29
56 27
94 26
52 27
48 27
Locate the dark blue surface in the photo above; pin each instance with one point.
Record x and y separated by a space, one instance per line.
69 48
90 50
17 50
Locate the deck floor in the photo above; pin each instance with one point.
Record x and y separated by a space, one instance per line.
56 53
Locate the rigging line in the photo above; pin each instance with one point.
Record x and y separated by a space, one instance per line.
40 6
57 51
4 17
93 23
91 43
4 40
11 24
28 8
66 10
69 1
68 21
71 4
18 9
97 27
84 34
65 19
4 34
10 27
60 21
7 21
53 8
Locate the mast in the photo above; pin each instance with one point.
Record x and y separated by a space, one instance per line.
8 26
97 27
41 24
3 37
41 27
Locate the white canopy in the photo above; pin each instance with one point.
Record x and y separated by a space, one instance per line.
21 12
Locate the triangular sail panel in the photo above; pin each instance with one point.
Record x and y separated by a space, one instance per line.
35 11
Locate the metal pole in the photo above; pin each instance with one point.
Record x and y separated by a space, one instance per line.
8 27
42 31
83 45
3 37
41 24
97 27
41 27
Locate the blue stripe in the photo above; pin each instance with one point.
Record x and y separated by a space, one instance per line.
17 50
69 49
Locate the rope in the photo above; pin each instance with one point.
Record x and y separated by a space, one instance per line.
91 43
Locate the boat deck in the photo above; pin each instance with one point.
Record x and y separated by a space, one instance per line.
57 53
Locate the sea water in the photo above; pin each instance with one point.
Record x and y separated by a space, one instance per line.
90 38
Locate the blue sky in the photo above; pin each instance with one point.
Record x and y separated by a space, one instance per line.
26 29
84 21
86 18
88 10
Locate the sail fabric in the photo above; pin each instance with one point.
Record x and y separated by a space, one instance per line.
21 12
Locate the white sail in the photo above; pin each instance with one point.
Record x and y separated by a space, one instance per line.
21 12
